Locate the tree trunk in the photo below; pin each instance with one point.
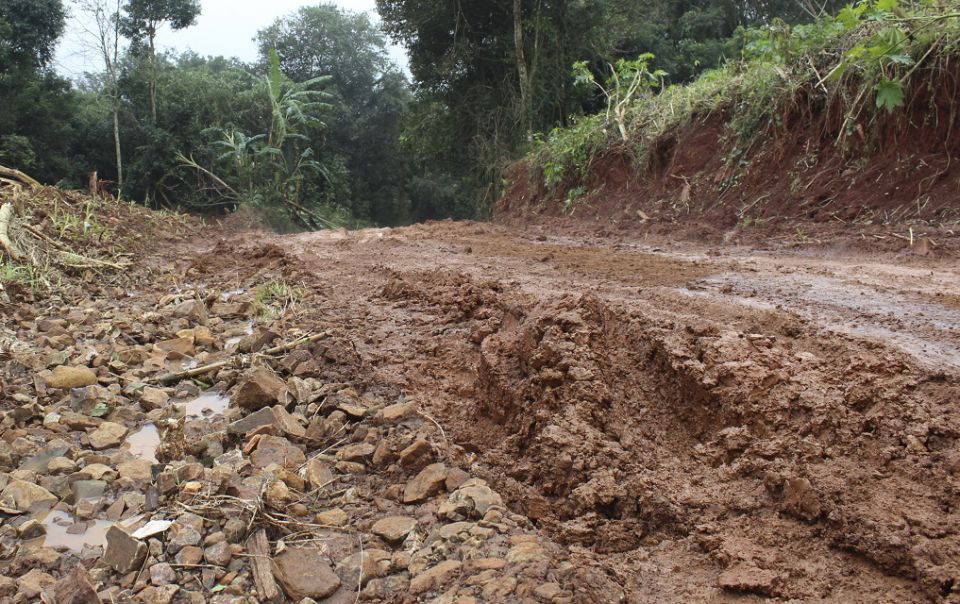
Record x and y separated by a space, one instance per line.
115 80
522 71
116 144
153 77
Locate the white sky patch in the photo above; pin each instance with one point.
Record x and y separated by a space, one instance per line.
225 28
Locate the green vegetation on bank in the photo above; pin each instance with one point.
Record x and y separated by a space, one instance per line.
860 61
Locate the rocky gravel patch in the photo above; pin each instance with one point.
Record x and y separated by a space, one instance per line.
268 479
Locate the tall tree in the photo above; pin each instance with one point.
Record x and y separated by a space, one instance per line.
105 36
368 93
36 104
143 21
29 30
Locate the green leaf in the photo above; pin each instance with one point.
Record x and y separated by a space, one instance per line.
901 59
888 5
101 410
889 94
850 16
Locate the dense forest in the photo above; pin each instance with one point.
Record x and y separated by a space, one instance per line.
324 129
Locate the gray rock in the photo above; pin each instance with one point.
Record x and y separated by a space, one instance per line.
123 553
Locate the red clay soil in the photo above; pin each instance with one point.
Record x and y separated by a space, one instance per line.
794 182
686 424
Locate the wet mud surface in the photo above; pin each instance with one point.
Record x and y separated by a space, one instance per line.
664 422
688 424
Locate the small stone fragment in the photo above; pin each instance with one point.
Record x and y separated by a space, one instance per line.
435 577
304 573
75 588
275 450
260 388
747 578
218 554
394 529
162 574
417 455
371 564
357 453
334 517
123 553
108 435
318 474
33 583
427 483
66 378
24 496
153 398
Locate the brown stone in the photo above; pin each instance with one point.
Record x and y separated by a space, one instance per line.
108 435
153 398
417 455
138 470
277 417
123 553
260 388
427 483
33 583
527 551
65 377
435 577
24 496
192 310
334 517
357 453
75 588
275 450
371 564
395 413
158 595
318 474
394 529
218 554
747 578
177 348
305 573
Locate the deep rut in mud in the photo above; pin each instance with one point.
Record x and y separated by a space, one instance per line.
671 444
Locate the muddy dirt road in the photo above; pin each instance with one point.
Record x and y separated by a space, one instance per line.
686 424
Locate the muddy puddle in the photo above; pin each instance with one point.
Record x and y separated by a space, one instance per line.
64 531
143 443
206 405
928 332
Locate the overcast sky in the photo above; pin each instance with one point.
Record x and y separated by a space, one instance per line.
225 27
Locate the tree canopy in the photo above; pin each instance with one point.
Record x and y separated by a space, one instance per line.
487 80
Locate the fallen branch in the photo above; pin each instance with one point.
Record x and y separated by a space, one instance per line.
77 261
6 214
18 176
192 373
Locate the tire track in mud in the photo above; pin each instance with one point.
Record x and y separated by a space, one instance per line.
671 445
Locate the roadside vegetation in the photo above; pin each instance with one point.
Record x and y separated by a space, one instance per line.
869 60
343 136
